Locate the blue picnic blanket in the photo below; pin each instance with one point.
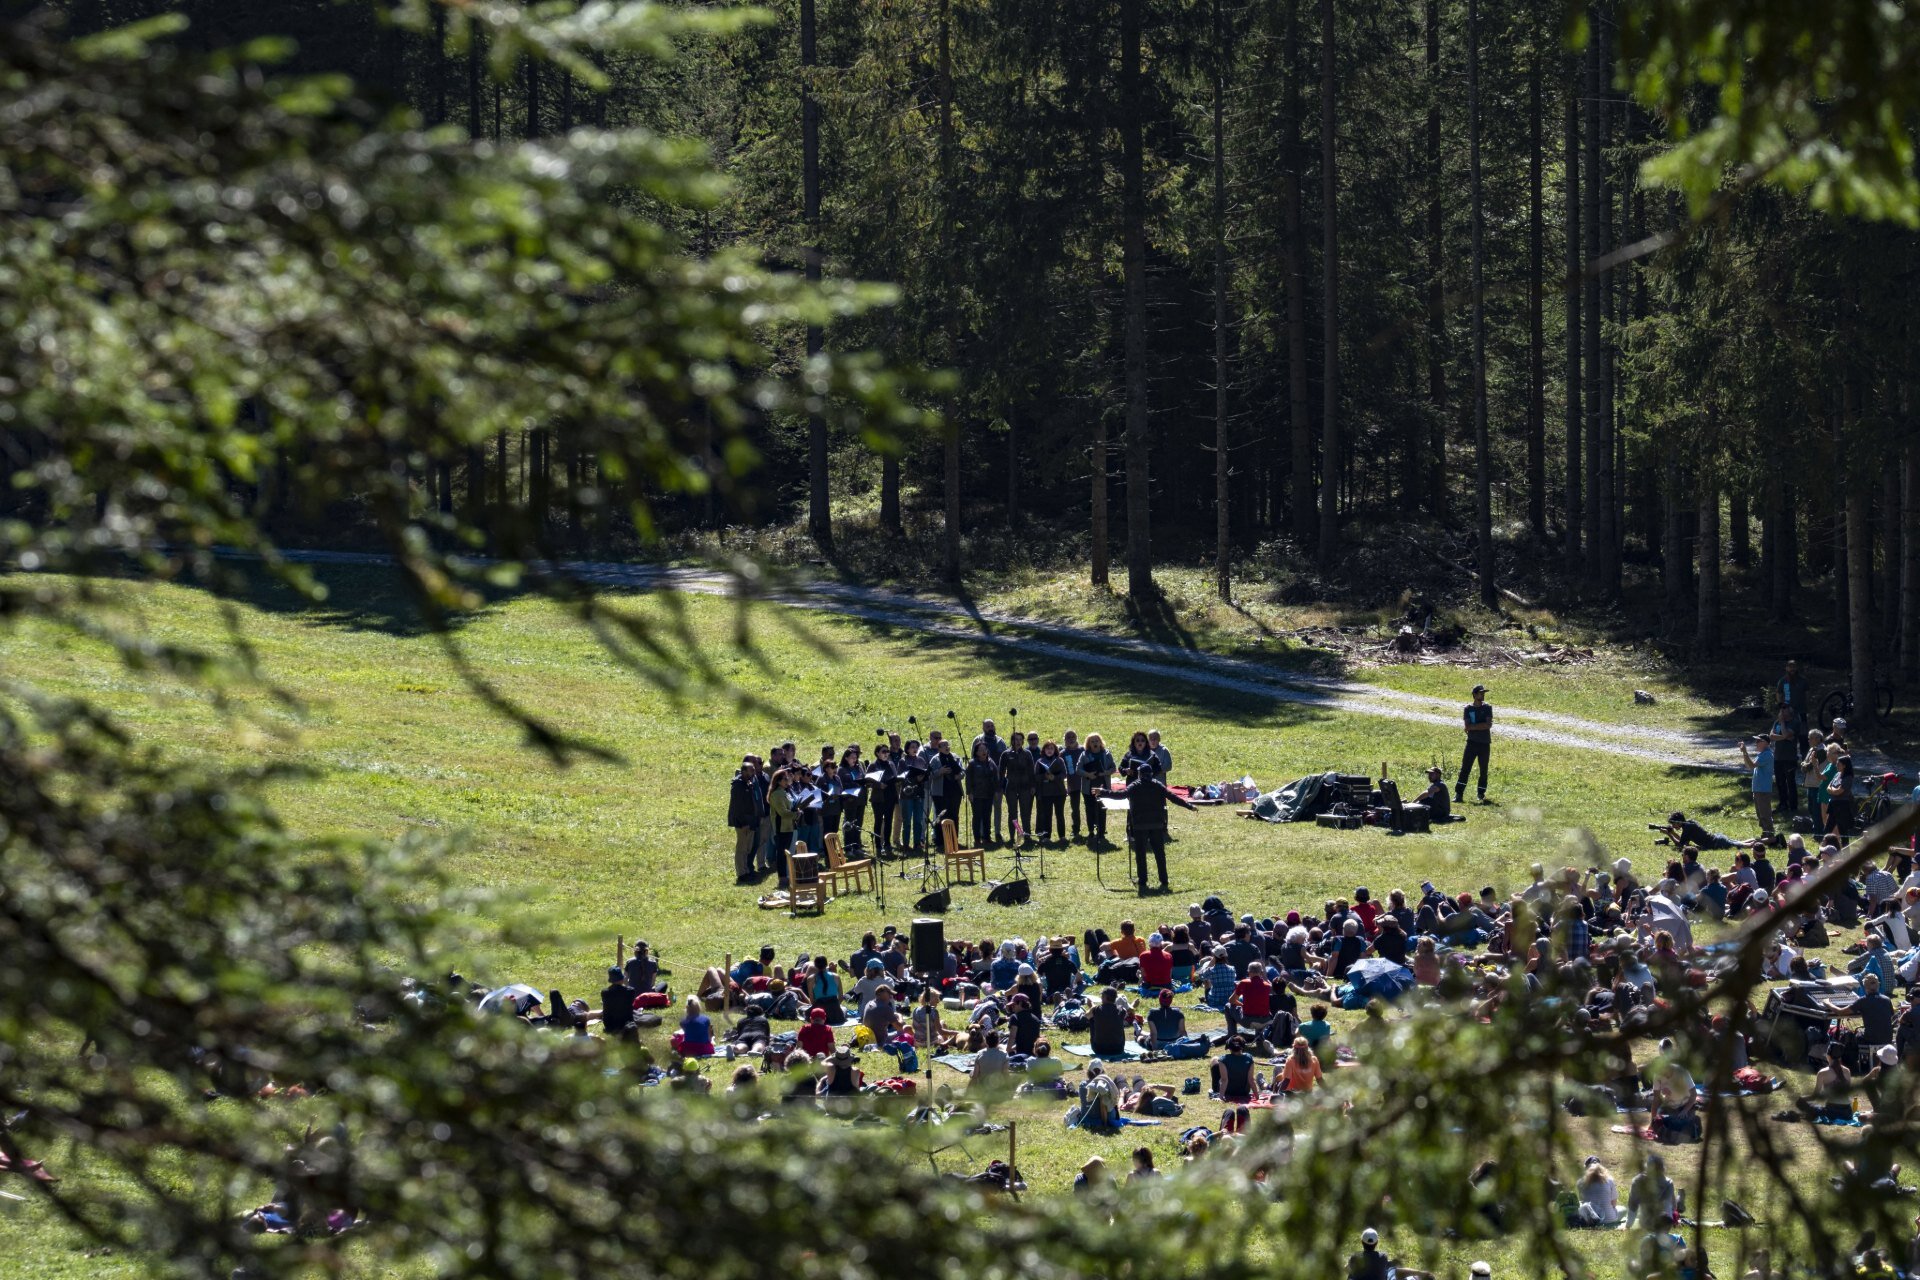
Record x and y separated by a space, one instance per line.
958 1061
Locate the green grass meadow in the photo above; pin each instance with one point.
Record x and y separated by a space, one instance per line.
640 849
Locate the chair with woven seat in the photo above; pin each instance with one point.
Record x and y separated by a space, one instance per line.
957 860
811 893
840 873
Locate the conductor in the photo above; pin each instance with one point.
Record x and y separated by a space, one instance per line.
1147 800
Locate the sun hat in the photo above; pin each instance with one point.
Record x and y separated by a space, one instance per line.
1369 1236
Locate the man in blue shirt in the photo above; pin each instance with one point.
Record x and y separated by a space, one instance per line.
1477 718
1760 762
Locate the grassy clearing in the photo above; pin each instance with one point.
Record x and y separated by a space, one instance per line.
639 848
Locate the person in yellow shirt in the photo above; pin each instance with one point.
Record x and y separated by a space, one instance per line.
1129 944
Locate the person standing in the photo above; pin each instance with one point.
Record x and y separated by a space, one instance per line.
1162 758
883 794
983 785
1016 780
1070 753
1095 772
1477 719
1147 800
852 783
1792 691
1139 753
912 789
1786 763
787 800
1760 762
946 770
996 747
746 806
1050 790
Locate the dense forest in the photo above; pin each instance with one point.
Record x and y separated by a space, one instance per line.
1225 282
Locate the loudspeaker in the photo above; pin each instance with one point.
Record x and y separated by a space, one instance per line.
1010 893
938 900
929 946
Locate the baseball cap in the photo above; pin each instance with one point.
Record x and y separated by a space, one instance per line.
1479 688
1369 1236
1480 1269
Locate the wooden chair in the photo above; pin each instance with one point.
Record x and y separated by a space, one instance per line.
839 873
811 895
958 859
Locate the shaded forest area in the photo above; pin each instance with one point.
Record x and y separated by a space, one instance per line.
1225 282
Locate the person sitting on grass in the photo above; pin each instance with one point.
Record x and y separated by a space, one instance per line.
880 1015
1217 980
1599 1196
842 1078
1674 1101
1099 1100
1426 963
823 991
1164 1024
1316 1028
1349 947
1044 1071
990 1064
1156 964
1300 1072
816 1037
1232 1073
1059 975
1251 1005
1023 1025
1107 1025
929 1030
694 1039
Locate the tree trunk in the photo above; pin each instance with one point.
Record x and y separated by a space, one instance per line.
1706 627
1599 496
819 504
1330 451
1890 525
1786 557
1676 562
1570 169
1436 282
534 452
1738 533
1294 258
1910 572
1482 465
1842 562
1133 265
1859 519
1222 553
1536 238
1013 475
440 64
1607 559
950 443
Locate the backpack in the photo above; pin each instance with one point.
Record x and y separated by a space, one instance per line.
1188 1047
1071 1016
1165 1106
652 1000
1191 1085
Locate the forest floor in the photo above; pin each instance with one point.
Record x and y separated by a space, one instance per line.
395 744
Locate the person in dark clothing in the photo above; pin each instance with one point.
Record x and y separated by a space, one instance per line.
1096 770
1350 947
1059 975
1139 754
852 781
1016 779
1477 719
947 765
883 795
1107 1025
1025 1025
643 971
983 788
1147 799
1392 942
1050 793
746 806
1439 806
616 1003
996 747
1876 1013
1232 1073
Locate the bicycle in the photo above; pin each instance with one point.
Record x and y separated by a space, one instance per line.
1839 704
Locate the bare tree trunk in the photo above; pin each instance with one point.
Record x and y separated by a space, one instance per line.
1330 451
1706 625
1600 494
950 443
1536 237
1910 572
890 492
819 502
1482 465
1294 258
1842 563
1859 503
1570 169
1013 475
1436 282
1676 560
1133 259
1738 533
1223 564
1890 523
1786 557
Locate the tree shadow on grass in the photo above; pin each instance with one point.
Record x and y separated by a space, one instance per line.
1118 678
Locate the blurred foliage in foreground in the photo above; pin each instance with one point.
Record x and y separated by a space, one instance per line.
210 273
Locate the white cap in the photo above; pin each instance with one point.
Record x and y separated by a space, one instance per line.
1889 1055
1480 1269
1369 1236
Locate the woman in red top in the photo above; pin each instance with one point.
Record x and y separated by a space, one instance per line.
1156 963
1367 909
